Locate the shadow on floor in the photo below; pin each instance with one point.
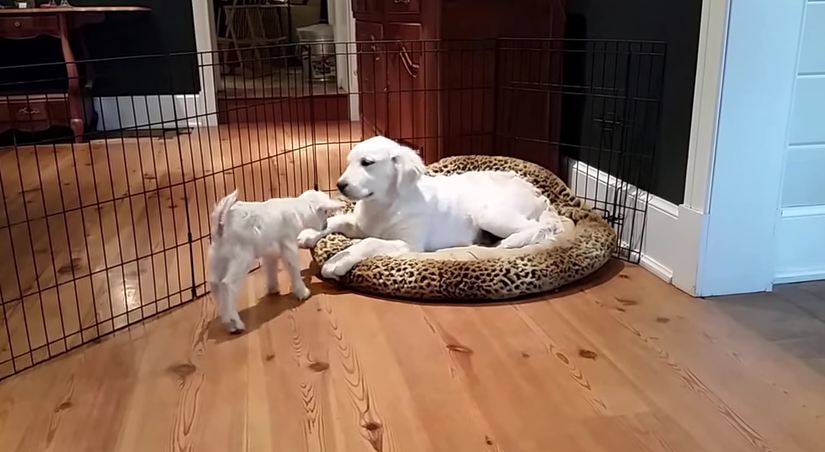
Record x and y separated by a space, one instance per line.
266 309
271 306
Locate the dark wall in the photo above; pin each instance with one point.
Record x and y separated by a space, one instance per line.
675 22
167 29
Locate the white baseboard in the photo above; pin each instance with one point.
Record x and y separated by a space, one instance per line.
154 112
664 206
656 248
803 211
657 268
799 276
800 244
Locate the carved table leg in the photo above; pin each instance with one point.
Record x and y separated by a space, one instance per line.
75 98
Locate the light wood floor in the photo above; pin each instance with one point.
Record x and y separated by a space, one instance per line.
622 362
95 236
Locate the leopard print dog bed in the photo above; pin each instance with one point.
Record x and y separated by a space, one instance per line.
478 273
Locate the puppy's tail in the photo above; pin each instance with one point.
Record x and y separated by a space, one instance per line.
220 213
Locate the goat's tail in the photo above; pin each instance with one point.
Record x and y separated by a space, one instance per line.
220 213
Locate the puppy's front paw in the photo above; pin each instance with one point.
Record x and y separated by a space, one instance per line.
308 238
334 270
302 292
327 271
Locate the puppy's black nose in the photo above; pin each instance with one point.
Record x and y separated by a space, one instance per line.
342 186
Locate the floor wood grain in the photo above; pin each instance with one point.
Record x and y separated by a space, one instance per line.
622 362
99 235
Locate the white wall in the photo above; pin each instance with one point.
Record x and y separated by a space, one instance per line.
754 207
800 233
740 244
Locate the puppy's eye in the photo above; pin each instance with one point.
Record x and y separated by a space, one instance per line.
367 162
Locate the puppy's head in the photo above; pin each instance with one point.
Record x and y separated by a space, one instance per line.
321 207
379 168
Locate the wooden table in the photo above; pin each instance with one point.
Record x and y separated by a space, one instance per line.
59 22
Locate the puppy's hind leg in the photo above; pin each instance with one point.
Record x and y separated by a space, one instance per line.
545 229
515 232
530 236
504 225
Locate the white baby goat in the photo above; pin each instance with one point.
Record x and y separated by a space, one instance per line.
245 231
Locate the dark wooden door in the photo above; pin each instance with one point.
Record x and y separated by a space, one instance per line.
407 118
367 8
372 76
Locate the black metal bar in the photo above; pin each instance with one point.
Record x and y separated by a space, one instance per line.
467 106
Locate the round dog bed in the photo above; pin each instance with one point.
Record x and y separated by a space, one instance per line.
481 273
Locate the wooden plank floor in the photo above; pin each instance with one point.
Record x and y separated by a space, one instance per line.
622 362
95 236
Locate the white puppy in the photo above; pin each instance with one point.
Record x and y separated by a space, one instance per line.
245 231
400 209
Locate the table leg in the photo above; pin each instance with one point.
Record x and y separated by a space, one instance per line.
75 99
289 21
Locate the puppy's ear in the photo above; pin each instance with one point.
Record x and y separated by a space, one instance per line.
331 207
409 167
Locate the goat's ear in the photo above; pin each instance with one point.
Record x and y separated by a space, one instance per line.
409 167
331 206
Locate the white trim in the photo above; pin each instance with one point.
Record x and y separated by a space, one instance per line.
803 211
812 144
588 181
664 205
146 112
203 15
706 99
593 173
688 237
800 244
657 268
800 276
342 21
736 256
